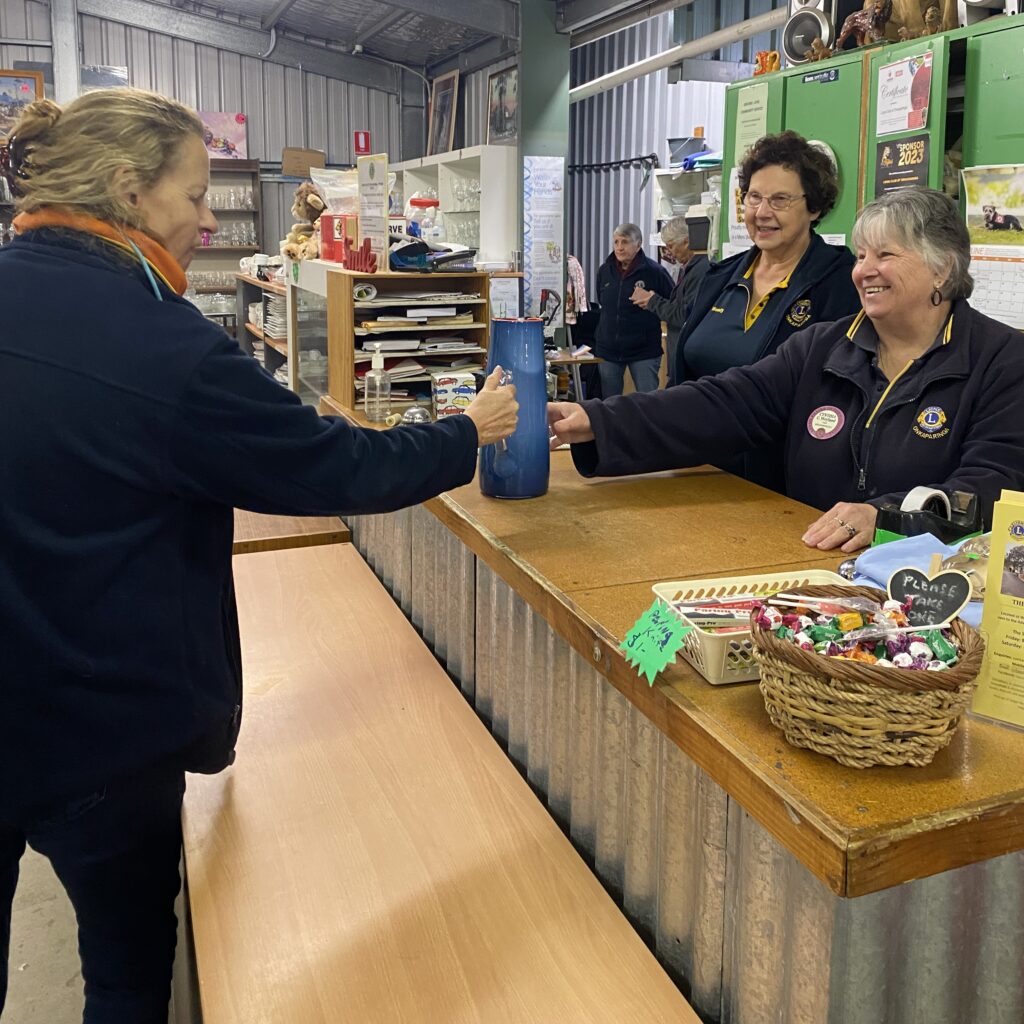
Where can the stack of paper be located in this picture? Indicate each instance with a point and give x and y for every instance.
(399, 369)
(392, 345)
(383, 323)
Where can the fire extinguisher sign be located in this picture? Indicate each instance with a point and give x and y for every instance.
(361, 143)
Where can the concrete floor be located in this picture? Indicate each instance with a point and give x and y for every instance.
(45, 983)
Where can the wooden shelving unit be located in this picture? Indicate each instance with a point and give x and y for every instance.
(343, 336)
(248, 290)
(223, 258)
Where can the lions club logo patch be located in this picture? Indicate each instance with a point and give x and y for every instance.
(826, 421)
(931, 423)
(799, 313)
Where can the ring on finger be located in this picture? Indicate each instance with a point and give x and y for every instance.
(849, 528)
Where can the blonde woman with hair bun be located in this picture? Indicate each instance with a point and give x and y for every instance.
(132, 426)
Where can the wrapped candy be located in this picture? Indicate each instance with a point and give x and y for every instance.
(864, 631)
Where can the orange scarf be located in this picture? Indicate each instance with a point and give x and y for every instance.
(162, 262)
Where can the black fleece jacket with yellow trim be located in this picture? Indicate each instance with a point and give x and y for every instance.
(954, 422)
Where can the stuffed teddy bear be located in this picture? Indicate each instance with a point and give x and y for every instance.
(303, 241)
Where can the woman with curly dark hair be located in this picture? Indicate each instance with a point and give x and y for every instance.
(749, 304)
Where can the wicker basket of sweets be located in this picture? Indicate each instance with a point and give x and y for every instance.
(863, 714)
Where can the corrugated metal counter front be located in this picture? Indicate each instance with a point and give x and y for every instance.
(775, 885)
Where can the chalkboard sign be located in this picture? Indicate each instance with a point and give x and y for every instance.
(933, 600)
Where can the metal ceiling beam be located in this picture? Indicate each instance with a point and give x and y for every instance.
(245, 41)
(66, 50)
(490, 51)
(628, 19)
(495, 17)
(572, 15)
(281, 8)
(381, 25)
(705, 44)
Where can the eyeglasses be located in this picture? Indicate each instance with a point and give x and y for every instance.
(779, 201)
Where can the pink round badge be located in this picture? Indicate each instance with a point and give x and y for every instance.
(826, 421)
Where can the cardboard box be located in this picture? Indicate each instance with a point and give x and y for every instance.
(334, 229)
(451, 391)
(297, 162)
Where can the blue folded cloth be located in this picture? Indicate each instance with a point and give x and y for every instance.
(876, 565)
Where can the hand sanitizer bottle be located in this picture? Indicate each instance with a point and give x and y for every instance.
(378, 389)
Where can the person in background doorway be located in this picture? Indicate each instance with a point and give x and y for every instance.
(132, 425)
(789, 279)
(628, 335)
(918, 388)
(675, 236)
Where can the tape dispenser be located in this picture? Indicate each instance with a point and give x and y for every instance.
(948, 517)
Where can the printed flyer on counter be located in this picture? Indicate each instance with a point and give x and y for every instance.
(373, 205)
(543, 238)
(995, 220)
(1000, 693)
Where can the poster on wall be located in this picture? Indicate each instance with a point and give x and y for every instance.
(502, 106)
(902, 163)
(224, 135)
(543, 238)
(751, 117)
(904, 93)
(17, 90)
(505, 303)
(995, 221)
(373, 205)
(739, 237)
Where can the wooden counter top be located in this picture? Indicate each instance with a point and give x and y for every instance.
(256, 532)
(585, 556)
(373, 856)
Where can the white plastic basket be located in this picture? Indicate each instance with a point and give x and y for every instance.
(729, 657)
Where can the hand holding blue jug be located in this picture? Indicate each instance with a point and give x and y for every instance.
(519, 466)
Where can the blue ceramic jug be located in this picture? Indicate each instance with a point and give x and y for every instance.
(518, 467)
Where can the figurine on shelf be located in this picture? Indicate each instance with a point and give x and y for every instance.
(818, 50)
(766, 61)
(867, 25)
(932, 25)
(303, 240)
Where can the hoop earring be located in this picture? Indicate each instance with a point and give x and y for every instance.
(936, 297)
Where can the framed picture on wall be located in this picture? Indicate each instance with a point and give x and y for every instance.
(224, 134)
(444, 95)
(17, 90)
(502, 106)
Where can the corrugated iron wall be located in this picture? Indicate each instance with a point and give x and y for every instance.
(633, 120)
(636, 119)
(285, 106)
(24, 19)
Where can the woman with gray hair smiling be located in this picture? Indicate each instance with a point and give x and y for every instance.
(917, 389)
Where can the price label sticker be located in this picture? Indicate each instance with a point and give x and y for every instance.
(654, 640)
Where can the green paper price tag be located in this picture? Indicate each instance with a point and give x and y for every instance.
(653, 641)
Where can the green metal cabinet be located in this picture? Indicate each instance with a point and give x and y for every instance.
(977, 92)
(994, 87)
(823, 102)
(935, 128)
(729, 156)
